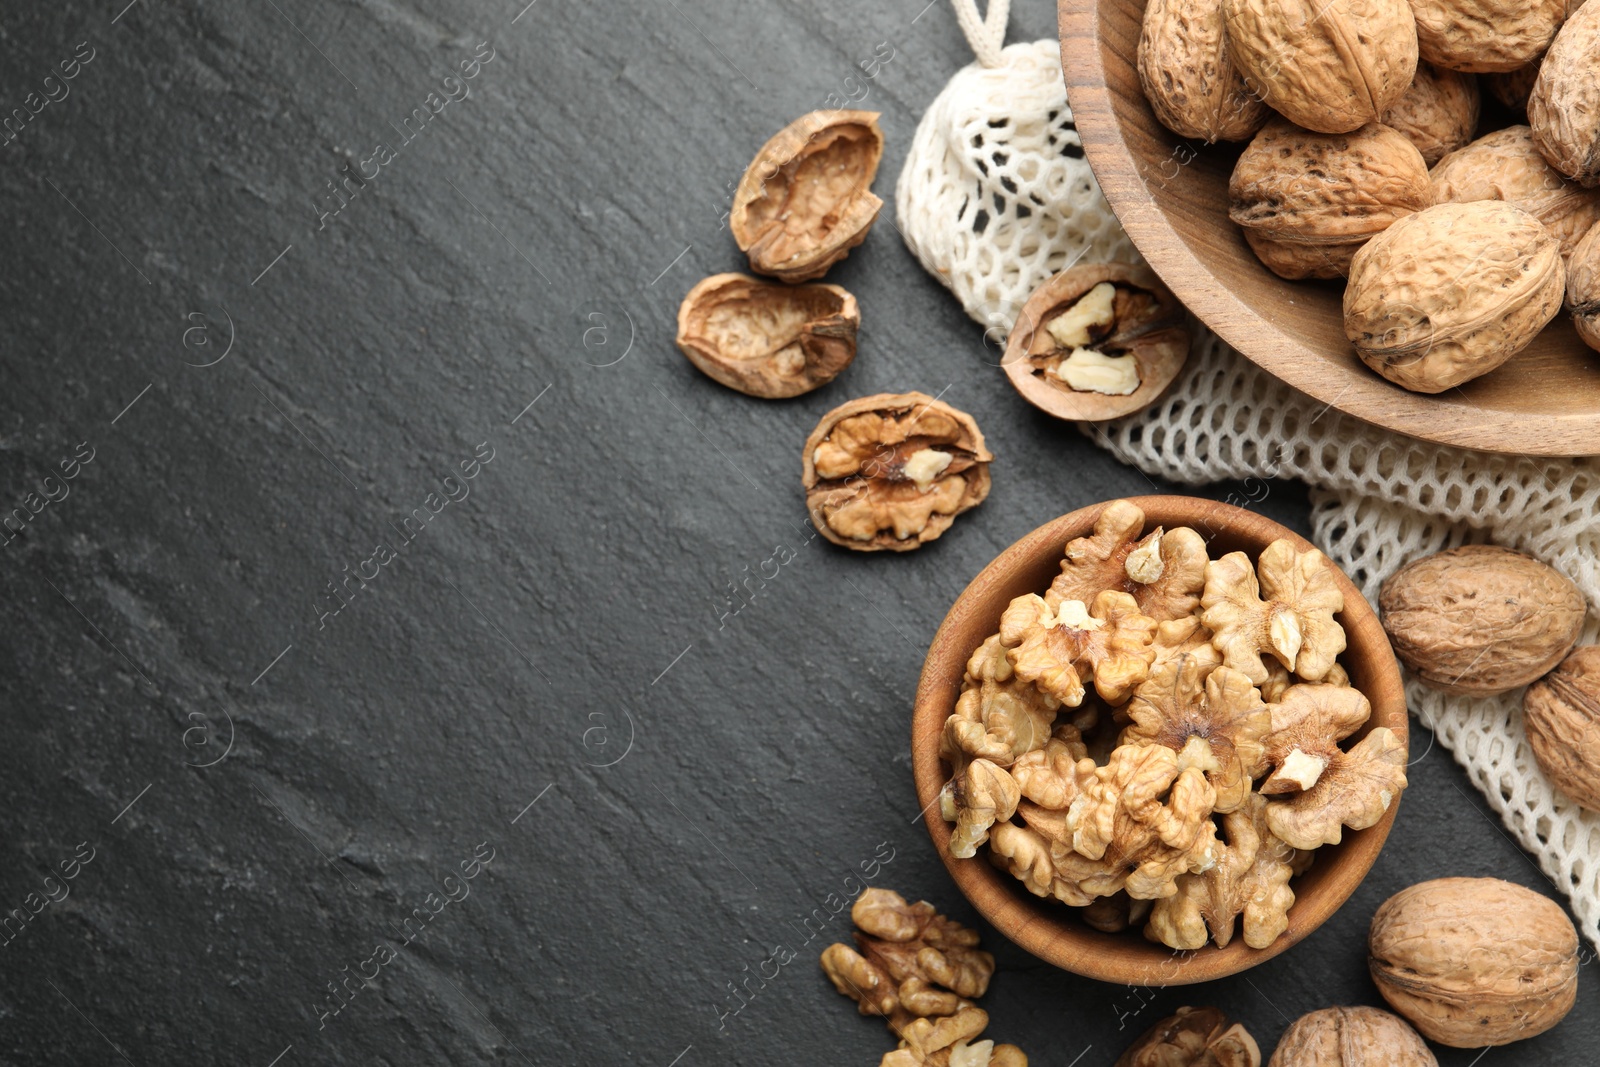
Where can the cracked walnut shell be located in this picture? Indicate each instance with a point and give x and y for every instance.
(892, 471)
(1163, 571)
(1475, 961)
(1194, 1037)
(768, 340)
(1561, 716)
(1486, 36)
(1189, 77)
(1451, 293)
(1295, 622)
(1480, 619)
(1351, 1037)
(806, 200)
(1365, 181)
(1438, 113)
(1564, 107)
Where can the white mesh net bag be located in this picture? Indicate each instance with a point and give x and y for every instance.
(999, 140)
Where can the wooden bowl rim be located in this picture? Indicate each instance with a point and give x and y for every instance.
(1049, 929)
(1448, 418)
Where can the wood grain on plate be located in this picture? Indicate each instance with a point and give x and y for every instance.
(1171, 196)
(1053, 931)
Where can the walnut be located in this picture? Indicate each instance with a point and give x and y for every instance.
(1351, 1037)
(1116, 913)
(1051, 776)
(1251, 878)
(1486, 35)
(1295, 622)
(1438, 113)
(1189, 77)
(1183, 700)
(1480, 619)
(1450, 293)
(1513, 87)
(975, 800)
(1475, 961)
(1186, 639)
(997, 716)
(949, 1042)
(1328, 65)
(1564, 107)
(1060, 649)
(1366, 180)
(1097, 341)
(892, 471)
(1583, 288)
(1194, 1037)
(1506, 165)
(1165, 588)
(1347, 788)
(1561, 713)
(768, 340)
(1307, 724)
(1047, 866)
(806, 199)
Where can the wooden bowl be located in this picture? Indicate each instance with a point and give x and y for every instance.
(1051, 930)
(1171, 196)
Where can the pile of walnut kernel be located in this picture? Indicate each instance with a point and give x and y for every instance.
(1156, 739)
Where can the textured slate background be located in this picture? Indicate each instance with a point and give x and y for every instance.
(267, 790)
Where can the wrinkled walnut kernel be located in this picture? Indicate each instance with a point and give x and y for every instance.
(768, 340)
(1062, 648)
(1295, 623)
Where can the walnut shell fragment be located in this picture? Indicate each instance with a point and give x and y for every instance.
(1486, 36)
(892, 471)
(1329, 65)
(806, 199)
(1190, 78)
(1583, 288)
(1561, 714)
(768, 340)
(1097, 341)
(1451, 293)
(1194, 1037)
(1438, 113)
(1564, 107)
(1480, 619)
(1351, 1037)
(1475, 961)
(1366, 181)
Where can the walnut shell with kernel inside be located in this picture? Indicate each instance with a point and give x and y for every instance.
(766, 339)
(1486, 36)
(1564, 107)
(1189, 76)
(1351, 1037)
(1561, 716)
(1583, 288)
(1439, 112)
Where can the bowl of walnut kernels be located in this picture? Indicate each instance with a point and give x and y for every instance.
(1159, 740)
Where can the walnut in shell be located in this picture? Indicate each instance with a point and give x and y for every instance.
(768, 340)
(1564, 107)
(1302, 228)
(1561, 714)
(1451, 293)
(1097, 341)
(806, 199)
(1438, 113)
(1189, 77)
(1583, 288)
(1475, 961)
(1294, 623)
(892, 471)
(1351, 1037)
(1250, 879)
(1513, 87)
(1194, 1037)
(1059, 649)
(1506, 165)
(1480, 619)
(1328, 65)
(1486, 35)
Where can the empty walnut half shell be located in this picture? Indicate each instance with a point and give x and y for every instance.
(1096, 342)
(806, 199)
(768, 340)
(892, 471)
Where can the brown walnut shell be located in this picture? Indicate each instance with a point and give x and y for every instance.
(1583, 288)
(1486, 35)
(1564, 107)
(871, 483)
(1194, 1037)
(1328, 65)
(1561, 715)
(1474, 961)
(765, 339)
(1480, 619)
(1439, 112)
(1351, 1037)
(806, 199)
(1451, 293)
(1190, 80)
(1307, 201)
(1149, 326)
(1513, 87)
(1507, 165)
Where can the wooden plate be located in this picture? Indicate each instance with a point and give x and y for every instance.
(1053, 931)
(1171, 196)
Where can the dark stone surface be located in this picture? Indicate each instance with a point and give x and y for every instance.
(268, 792)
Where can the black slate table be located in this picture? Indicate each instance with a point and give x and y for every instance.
(373, 671)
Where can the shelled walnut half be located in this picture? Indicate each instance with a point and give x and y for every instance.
(806, 199)
(1096, 342)
(892, 471)
(768, 340)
